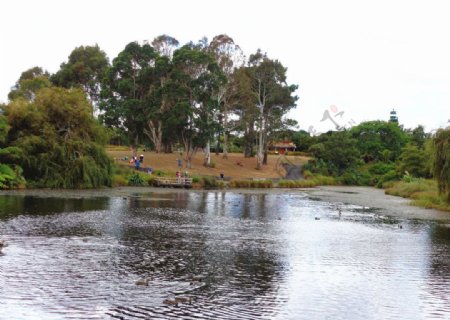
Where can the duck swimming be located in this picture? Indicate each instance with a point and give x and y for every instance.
(142, 282)
(170, 302)
(183, 300)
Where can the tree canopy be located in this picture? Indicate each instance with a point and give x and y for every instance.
(58, 140)
(441, 165)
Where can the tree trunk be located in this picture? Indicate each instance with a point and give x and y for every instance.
(168, 147)
(154, 133)
(265, 152)
(259, 155)
(225, 131)
(207, 159)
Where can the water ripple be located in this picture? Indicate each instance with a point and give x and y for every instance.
(222, 256)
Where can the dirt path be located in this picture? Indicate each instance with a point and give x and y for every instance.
(375, 198)
(293, 172)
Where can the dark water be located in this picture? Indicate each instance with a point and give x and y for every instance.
(226, 255)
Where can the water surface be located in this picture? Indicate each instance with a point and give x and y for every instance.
(233, 255)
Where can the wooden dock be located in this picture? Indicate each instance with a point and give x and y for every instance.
(173, 182)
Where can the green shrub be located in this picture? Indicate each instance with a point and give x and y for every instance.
(135, 179)
(10, 178)
(209, 182)
(60, 141)
(381, 168)
(356, 178)
(388, 178)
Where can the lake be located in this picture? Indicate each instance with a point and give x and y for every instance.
(282, 254)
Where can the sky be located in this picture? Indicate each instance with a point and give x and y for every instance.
(352, 60)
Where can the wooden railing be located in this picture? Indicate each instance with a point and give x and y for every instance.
(173, 182)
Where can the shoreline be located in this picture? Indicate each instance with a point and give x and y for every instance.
(376, 198)
(362, 196)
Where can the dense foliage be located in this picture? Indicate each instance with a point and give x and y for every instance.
(370, 153)
(165, 95)
(441, 163)
(56, 141)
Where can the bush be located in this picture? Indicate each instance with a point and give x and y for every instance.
(388, 178)
(10, 178)
(413, 160)
(60, 141)
(209, 182)
(307, 174)
(356, 178)
(381, 168)
(135, 179)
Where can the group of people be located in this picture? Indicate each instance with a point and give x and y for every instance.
(137, 161)
(181, 175)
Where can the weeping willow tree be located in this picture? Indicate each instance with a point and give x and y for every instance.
(441, 165)
(60, 143)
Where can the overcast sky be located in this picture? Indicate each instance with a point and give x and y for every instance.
(360, 57)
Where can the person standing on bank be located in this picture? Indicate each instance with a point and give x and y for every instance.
(137, 164)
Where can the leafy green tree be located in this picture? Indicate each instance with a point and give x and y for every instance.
(165, 45)
(244, 106)
(59, 140)
(441, 163)
(338, 150)
(373, 137)
(303, 140)
(29, 83)
(10, 177)
(229, 57)
(197, 76)
(161, 96)
(4, 128)
(414, 161)
(84, 69)
(273, 95)
(418, 136)
(126, 88)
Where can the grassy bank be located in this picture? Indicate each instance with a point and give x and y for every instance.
(422, 192)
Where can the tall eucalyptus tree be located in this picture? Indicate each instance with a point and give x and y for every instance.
(229, 57)
(274, 97)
